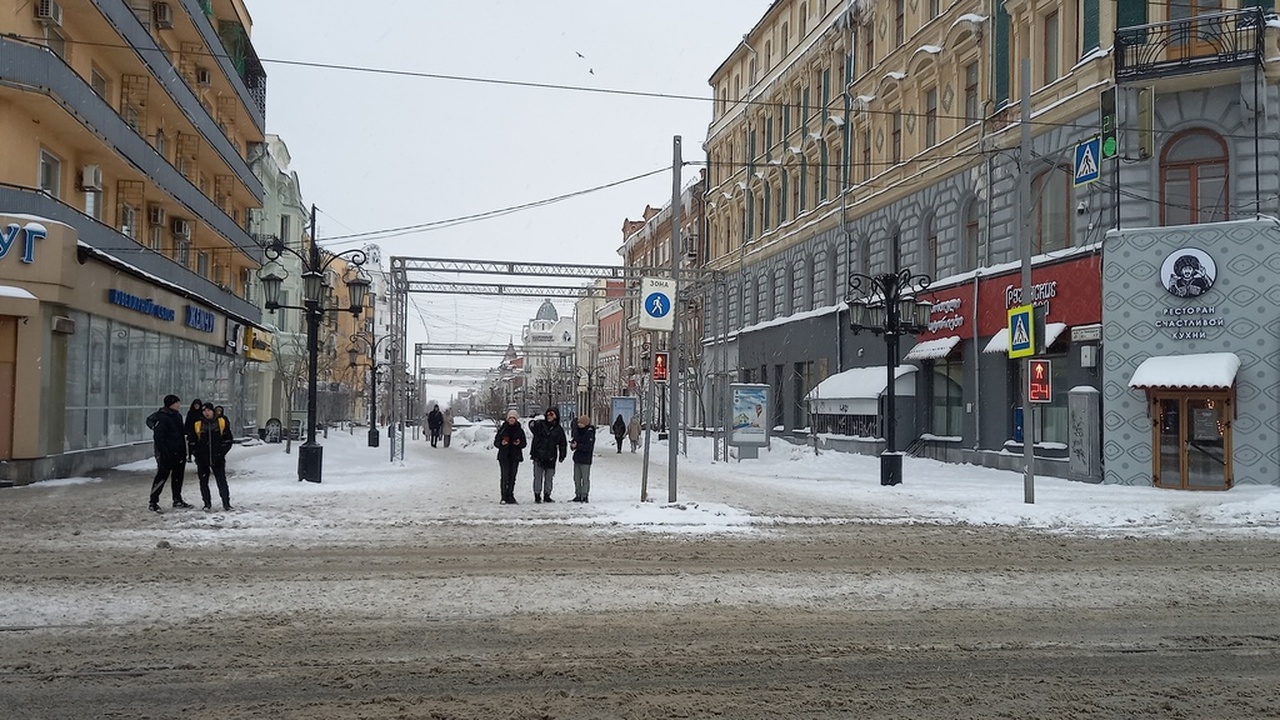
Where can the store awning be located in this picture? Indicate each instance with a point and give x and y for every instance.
(1204, 370)
(18, 302)
(934, 349)
(865, 383)
(1000, 341)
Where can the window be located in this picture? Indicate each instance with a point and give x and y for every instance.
(971, 93)
(50, 174)
(1052, 48)
(1053, 223)
(162, 144)
(157, 238)
(948, 402)
(800, 293)
(202, 264)
(786, 39)
(929, 246)
(969, 244)
(897, 136)
(869, 47)
(935, 8)
(182, 253)
(98, 82)
(804, 19)
(1193, 179)
(931, 117)
(55, 41)
(93, 204)
(1089, 26)
(762, 299)
(866, 155)
(285, 229)
(900, 23)
(768, 55)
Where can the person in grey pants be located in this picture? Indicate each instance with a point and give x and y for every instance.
(547, 447)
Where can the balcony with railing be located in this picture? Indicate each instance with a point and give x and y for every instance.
(1203, 42)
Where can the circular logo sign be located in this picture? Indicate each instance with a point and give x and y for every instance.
(657, 305)
(1188, 272)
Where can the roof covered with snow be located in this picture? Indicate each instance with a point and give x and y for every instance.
(857, 383)
(1204, 370)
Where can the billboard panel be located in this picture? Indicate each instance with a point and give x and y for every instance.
(750, 414)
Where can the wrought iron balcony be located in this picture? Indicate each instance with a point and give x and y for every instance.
(1195, 44)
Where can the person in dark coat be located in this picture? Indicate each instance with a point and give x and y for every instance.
(213, 441)
(547, 448)
(194, 413)
(510, 443)
(170, 442)
(584, 445)
(435, 422)
(619, 429)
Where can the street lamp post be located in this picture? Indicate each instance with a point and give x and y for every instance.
(311, 453)
(353, 354)
(888, 304)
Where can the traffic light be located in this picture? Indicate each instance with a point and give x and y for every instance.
(660, 367)
(1040, 381)
(1107, 123)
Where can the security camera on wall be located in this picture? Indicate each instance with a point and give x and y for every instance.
(1082, 208)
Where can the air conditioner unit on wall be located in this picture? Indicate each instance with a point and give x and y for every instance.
(162, 15)
(155, 214)
(48, 12)
(91, 178)
(181, 228)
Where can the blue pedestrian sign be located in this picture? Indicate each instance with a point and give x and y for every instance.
(1086, 165)
(1022, 331)
(656, 308)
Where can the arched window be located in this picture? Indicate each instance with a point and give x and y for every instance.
(1193, 179)
(929, 246)
(1053, 221)
(864, 253)
(969, 241)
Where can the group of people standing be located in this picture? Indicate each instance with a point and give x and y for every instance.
(548, 447)
(440, 424)
(203, 436)
(622, 429)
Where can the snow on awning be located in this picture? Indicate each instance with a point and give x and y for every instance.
(865, 383)
(1000, 341)
(934, 349)
(1203, 370)
(18, 302)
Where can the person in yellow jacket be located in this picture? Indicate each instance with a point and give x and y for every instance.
(213, 439)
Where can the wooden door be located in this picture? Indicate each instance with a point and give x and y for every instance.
(1191, 441)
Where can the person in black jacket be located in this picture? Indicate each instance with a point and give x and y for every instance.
(170, 443)
(619, 429)
(547, 448)
(213, 440)
(510, 443)
(584, 445)
(435, 422)
(193, 414)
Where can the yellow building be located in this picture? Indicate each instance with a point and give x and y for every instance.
(882, 136)
(126, 128)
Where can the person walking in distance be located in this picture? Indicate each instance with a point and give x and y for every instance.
(446, 427)
(633, 431)
(584, 446)
(546, 449)
(435, 422)
(213, 440)
(170, 442)
(193, 414)
(619, 430)
(510, 443)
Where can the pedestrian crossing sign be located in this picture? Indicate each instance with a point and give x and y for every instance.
(1086, 165)
(1022, 331)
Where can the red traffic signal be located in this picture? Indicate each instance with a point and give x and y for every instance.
(1040, 381)
(660, 366)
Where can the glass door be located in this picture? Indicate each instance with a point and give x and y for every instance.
(1194, 36)
(1192, 442)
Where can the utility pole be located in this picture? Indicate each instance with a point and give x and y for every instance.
(1024, 225)
(673, 360)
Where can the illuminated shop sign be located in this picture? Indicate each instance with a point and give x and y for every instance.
(146, 306)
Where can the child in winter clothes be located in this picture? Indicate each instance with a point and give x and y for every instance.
(583, 444)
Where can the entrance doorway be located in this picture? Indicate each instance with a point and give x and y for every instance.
(1191, 439)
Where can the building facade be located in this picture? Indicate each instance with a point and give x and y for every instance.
(882, 136)
(127, 127)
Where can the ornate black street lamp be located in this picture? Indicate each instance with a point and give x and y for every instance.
(353, 354)
(311, 453)
(888, 304)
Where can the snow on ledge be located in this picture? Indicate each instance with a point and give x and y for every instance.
(1203, 370)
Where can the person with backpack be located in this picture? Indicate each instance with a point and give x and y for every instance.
(584, 446)
(170, 443)
(213, 441)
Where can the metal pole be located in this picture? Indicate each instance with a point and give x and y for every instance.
(1024, 206)
(890, 461)
(311, 453)
(673, 360)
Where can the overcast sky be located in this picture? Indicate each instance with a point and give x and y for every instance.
(376, 151)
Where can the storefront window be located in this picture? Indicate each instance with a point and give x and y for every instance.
(948, 405)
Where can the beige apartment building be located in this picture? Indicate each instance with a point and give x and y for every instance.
(882, 136)
(127, 128)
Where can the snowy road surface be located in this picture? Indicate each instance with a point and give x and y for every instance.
(794, 586)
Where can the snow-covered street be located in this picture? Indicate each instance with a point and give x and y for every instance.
(406, 590)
